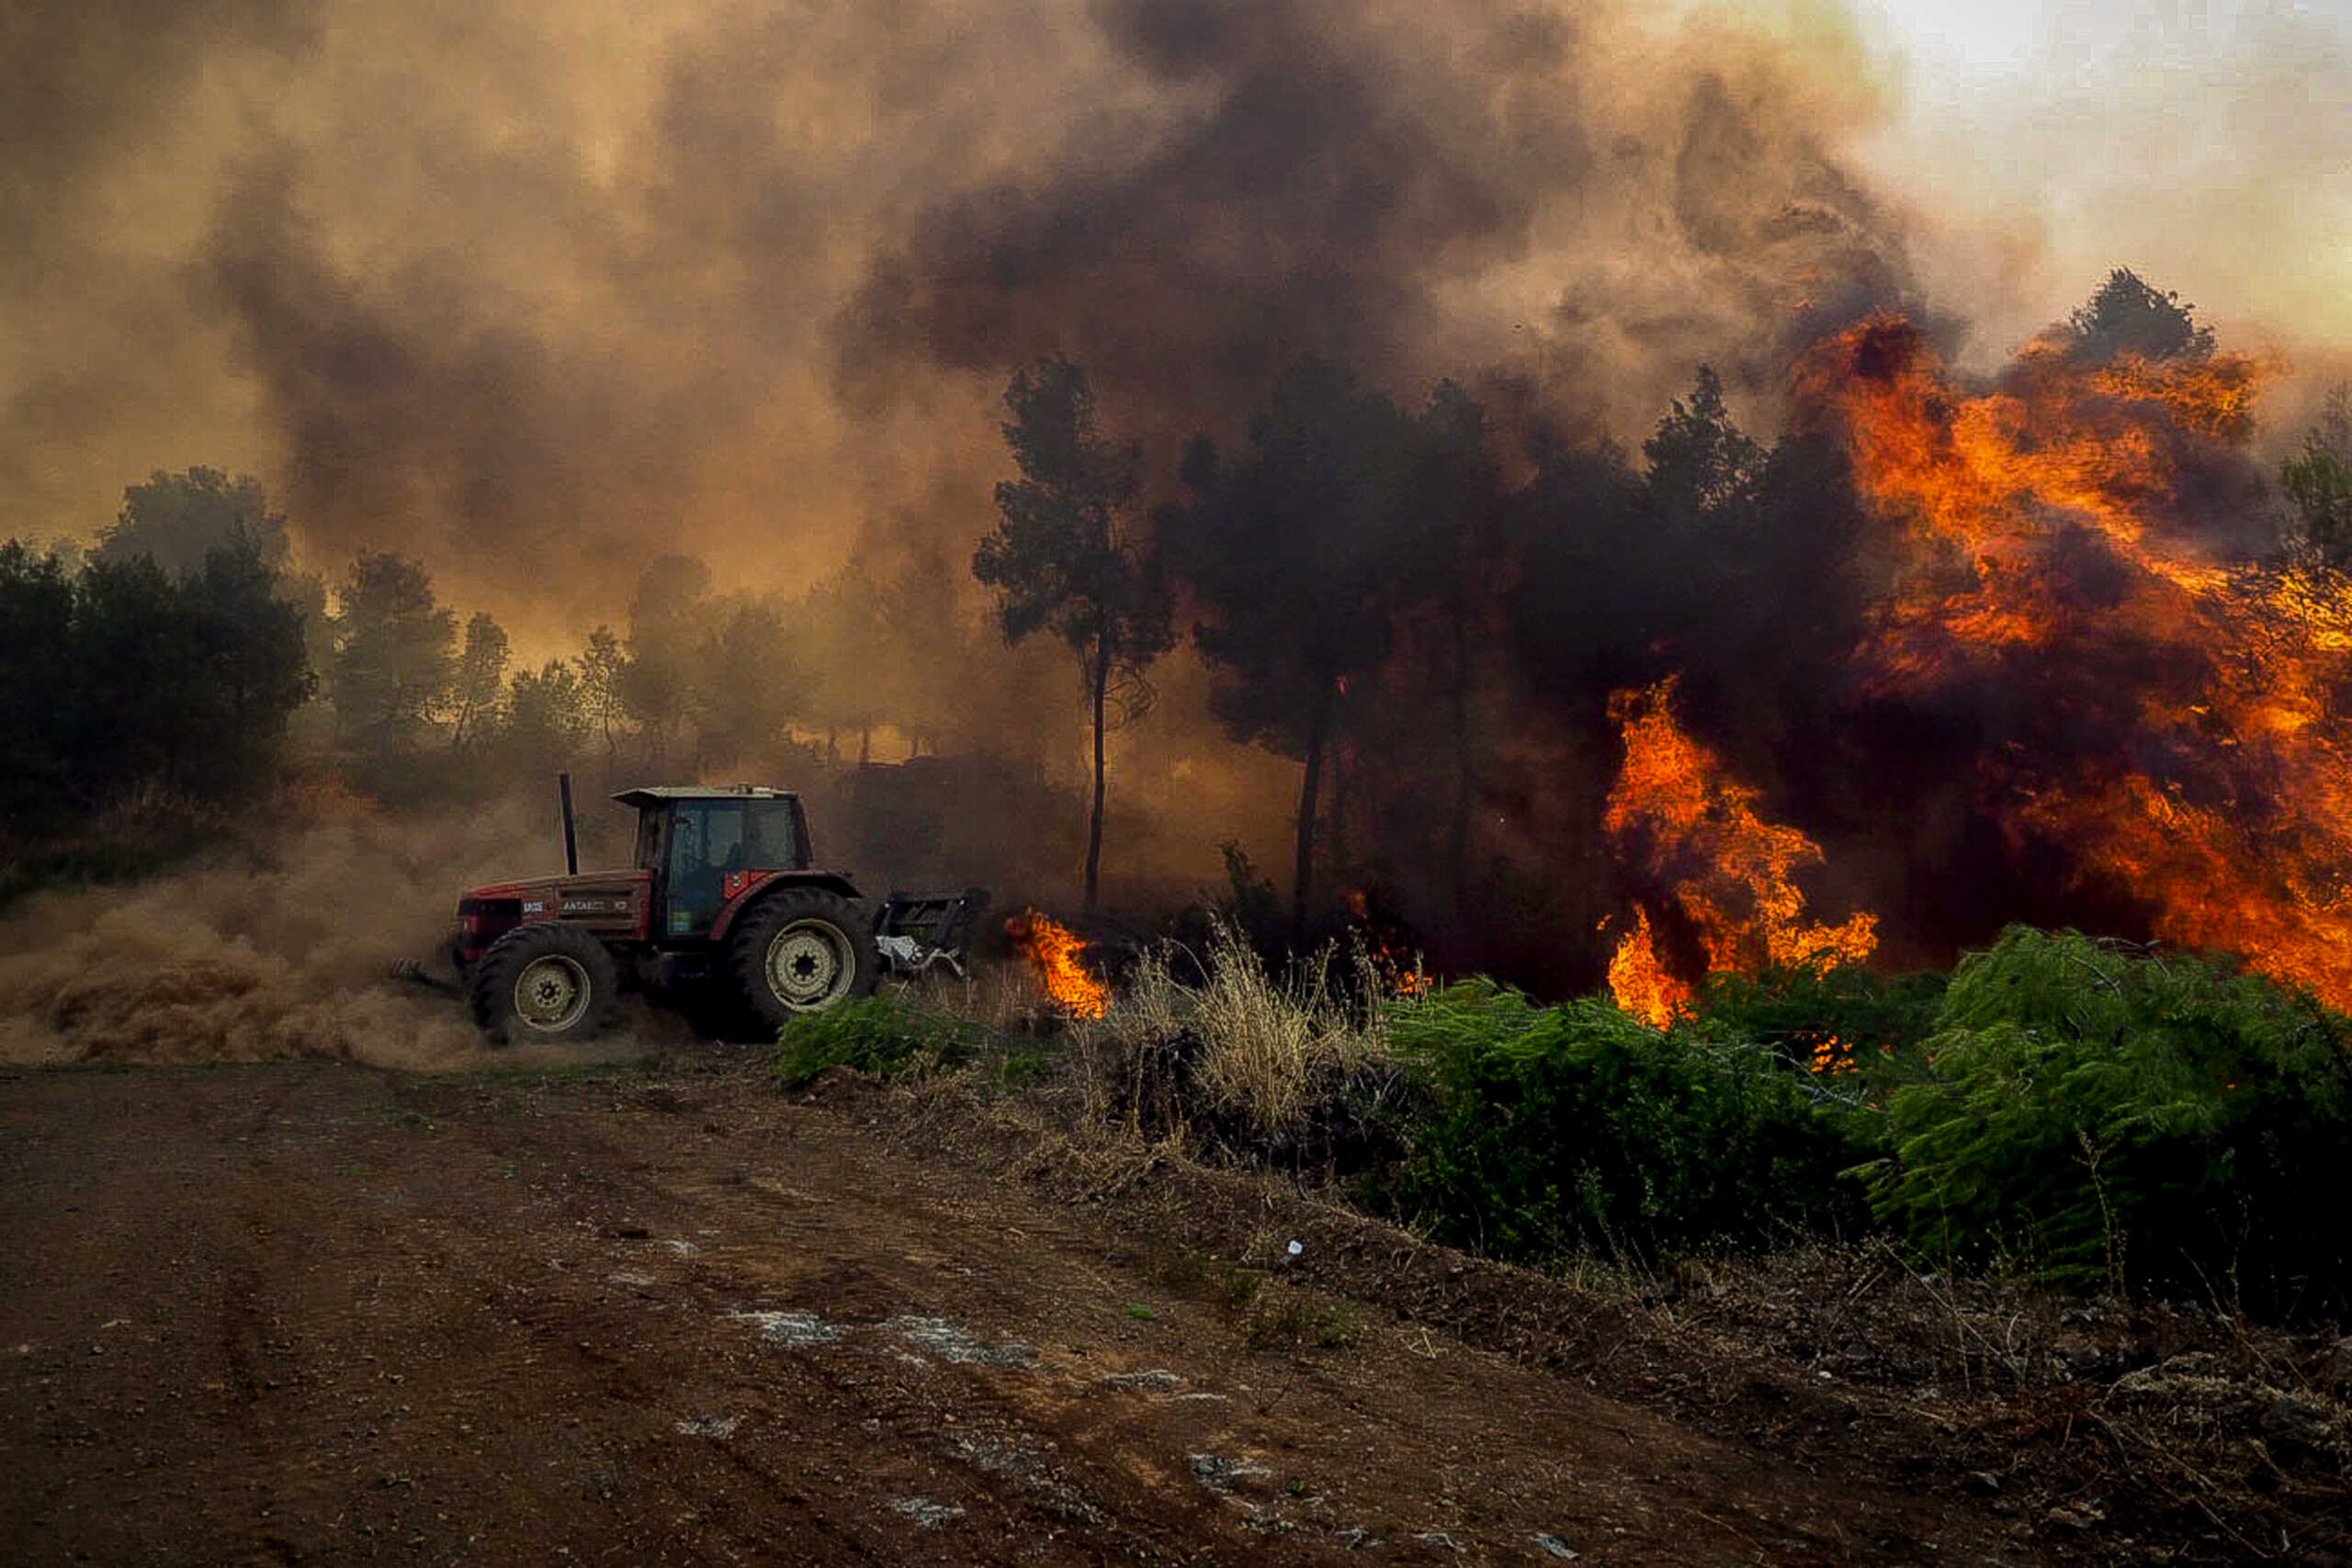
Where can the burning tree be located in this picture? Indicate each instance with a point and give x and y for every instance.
(1059, 561)
(2157, 705)
(2082, 687)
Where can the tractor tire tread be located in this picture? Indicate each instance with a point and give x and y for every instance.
(747, 950)
(490, 983)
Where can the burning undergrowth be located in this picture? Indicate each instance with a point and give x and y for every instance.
(2057, 1110)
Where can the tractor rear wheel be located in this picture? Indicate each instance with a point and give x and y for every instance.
(544, 981)
(802, 951)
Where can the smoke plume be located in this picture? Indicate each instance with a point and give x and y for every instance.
(743, 281)
(540, 297)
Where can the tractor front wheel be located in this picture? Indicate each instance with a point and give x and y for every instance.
(802, 951)
(544, 981)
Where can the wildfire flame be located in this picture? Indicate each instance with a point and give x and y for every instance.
(1055, 954)
(2045, 518)
(1395, 961)
(1679, 818)
(1829, 1054)
(1640, 980)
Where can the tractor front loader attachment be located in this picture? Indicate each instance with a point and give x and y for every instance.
(916, 931)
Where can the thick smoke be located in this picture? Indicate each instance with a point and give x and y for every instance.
(539, 297)
(540, 304)
(1470, 194)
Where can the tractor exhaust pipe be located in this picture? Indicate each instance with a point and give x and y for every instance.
(570, 842)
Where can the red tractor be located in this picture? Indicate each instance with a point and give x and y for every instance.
(725, 893)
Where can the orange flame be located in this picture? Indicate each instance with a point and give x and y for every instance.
(1404, 975)
(1055, 956)
(1695, 833)
(1830, 1054)
(1640, 980)
(2224, 802)
(1398, 965)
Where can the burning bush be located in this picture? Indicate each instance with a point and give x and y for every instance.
(1826, 1019)
(2085, 1114)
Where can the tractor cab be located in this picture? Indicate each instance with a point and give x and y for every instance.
(705, 846)
(724, 894)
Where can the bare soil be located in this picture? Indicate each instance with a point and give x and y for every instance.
(323, 1312)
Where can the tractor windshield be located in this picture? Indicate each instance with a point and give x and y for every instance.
(710, 839)
(748, 835)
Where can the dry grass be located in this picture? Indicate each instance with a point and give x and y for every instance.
(1262, 1049)
(1001, 997)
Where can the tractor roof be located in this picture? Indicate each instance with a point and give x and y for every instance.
(652, 795)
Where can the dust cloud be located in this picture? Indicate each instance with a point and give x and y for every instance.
(282, 950)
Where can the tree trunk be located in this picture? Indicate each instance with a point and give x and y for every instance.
(1458, 844)
(1318, 722)
(1338, 862)
(1101, 684)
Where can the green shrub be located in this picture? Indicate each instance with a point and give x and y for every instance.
(884, 1035)
(2119, 1118)
(1552, 1130)
(1845, 1016)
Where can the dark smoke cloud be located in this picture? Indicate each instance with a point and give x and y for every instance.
(1403, 197)
(99, 351)
(414, 398)
(540, 303)
(85, 81)
(1308, 198)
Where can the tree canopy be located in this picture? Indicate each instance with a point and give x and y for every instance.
(2129, 317)
(395, 655)
(178, 519)
(1291, 549)
(1061, 560)
(2318, 481)
(124, 678)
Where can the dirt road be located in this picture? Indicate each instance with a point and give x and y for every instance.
(323, 1313)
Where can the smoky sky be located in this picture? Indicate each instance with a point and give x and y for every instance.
(537, 293)
(1309, 204)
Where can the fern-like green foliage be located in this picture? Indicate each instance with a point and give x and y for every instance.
(1576, 1128)
(1833, 1018)
(883, 1034)
(2116, 1117)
